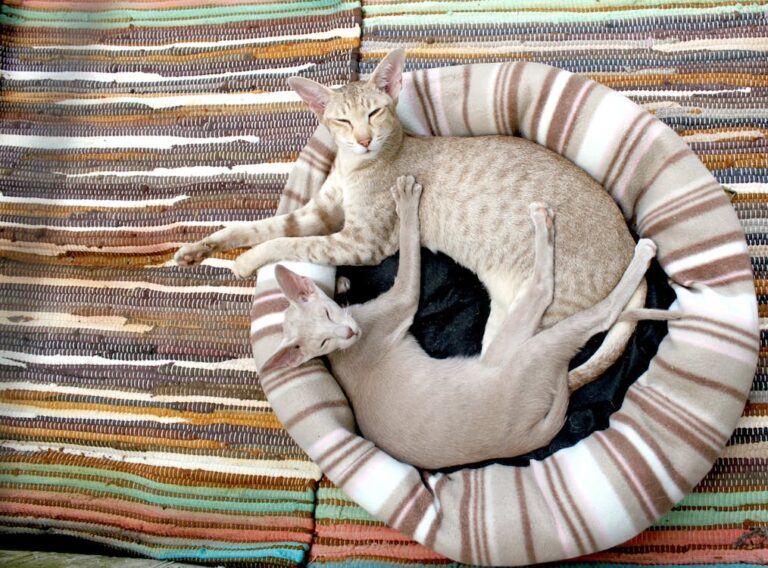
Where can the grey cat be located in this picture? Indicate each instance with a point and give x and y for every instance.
(436, 413)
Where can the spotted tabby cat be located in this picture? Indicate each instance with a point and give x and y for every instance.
(474, 208)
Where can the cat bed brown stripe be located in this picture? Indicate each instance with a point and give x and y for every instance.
(675, 418)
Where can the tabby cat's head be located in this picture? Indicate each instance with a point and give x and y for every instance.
(361, 115)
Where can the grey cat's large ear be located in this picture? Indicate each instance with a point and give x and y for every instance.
(388, 75)
(313, 93)
(287, 356)
(297, 288)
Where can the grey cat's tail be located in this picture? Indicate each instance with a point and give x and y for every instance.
(649, 314)
(613, 345)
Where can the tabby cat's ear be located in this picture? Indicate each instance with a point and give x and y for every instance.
(313, 93)
(297, 288)
(388, 75)
(287, 356)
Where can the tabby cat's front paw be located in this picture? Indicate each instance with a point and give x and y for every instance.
(243, 267)
(194, 253)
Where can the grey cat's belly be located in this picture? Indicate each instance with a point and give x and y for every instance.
(400, 405)
(475, 209)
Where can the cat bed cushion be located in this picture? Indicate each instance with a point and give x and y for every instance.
(674, 419)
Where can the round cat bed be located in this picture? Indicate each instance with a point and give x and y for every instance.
(675, 418)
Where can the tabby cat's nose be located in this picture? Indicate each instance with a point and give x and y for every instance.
(365, 142)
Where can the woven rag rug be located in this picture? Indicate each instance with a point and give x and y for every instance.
(131, 413)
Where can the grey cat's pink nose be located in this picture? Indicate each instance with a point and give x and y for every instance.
(345, 332)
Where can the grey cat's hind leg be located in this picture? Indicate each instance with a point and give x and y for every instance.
(495, 319)
(394, 310)
(524, 315)
(566, 337)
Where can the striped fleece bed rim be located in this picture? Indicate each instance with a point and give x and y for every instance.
(676, 417)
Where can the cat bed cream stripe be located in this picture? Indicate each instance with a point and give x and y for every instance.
(675, 418)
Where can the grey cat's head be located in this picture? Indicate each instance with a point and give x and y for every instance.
(314, 324)
(361, 115)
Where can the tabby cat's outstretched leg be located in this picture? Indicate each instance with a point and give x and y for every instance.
(320, 216)
(345, 247)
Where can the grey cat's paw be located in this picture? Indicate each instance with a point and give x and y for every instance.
(406, 189)
(646, 249)
(538, 208)
(194, 253)
(543, 217)
(343, 285)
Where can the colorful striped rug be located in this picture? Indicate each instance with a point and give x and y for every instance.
(130, 412)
